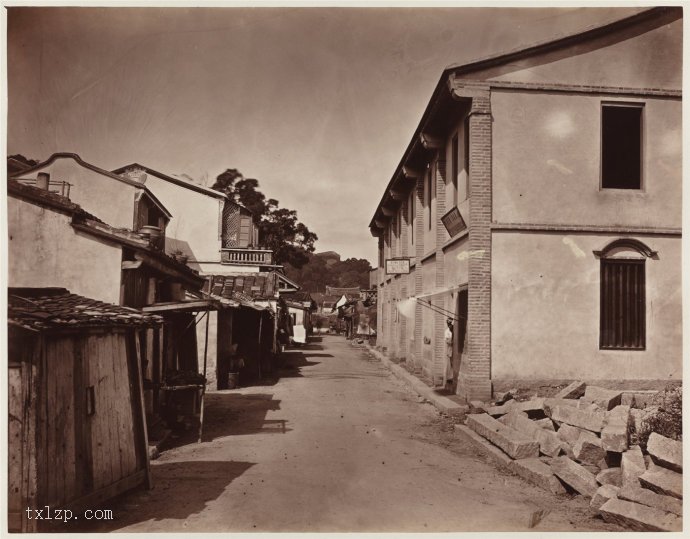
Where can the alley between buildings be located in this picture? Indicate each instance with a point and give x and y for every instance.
(334, 443)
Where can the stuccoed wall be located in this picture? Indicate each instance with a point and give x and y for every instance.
(45, 251)
(545, 310)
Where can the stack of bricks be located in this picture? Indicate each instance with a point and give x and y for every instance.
(579, 440)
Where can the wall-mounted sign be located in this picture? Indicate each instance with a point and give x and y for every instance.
(453, 222)
(395, 266)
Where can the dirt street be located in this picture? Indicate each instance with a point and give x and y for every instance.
(335, 444)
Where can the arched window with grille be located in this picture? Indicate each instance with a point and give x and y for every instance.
(622, 315)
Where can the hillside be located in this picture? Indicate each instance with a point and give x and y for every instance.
(327, 269)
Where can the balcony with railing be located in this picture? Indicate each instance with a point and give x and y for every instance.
(59, 187)
(246, 256)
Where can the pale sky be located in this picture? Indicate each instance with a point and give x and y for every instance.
(318, 104)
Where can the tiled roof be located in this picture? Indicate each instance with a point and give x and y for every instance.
(57, 308)
(244, 286)
(301, 296)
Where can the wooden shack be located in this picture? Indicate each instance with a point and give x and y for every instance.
(77, 431)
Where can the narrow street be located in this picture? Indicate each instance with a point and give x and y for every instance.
(335, 444)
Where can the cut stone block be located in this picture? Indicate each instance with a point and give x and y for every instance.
(532, 405)
(538, 473)
(545, 424)
(551, 403)
(637, 517)
(639, 398)
(572, 391)
(514, 443)
(652, 499)
(588, 448)
(502, 398)
(478, 405)
(549, 444)
(603, 494)
(574, 475)
(589, 406)
(663, 481)
(591, 468)
(497, 411)
(589, 420)
(665, 452)
(632, 466)
(610, 476)
(605, 398)
(614, 434)
(492, 453)
(569, 434)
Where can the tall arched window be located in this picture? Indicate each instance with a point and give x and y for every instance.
(622, 314)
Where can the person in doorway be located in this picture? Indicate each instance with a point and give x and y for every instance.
(449, 352)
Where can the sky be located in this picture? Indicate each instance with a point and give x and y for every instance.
(318, 104)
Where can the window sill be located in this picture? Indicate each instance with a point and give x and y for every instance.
(622, 349)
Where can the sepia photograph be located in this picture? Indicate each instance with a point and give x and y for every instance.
(340, 267)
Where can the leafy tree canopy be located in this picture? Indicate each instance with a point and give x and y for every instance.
(326, 269)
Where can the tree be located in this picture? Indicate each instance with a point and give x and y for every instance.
(279, 228)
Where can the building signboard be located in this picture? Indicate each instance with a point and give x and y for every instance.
(453, 222)
(395, 266)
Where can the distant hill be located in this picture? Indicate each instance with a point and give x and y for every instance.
(328, 269)
(331, 257)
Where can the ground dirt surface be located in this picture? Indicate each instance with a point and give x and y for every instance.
(334, 443)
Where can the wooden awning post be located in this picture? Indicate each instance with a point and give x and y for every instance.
(261, 319)
(203, 390)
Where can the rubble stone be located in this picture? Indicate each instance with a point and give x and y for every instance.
(663, 481)
(603, 494)
(573, 391)
(605, 398)
(588, 448)
(549, 444)
(632, 466)
(574, 475)
(610, 476)
(652, 499)
(538, 473)
(514, 443)
(665, 452)
(637, 517)
(589, 420)
(614, 434)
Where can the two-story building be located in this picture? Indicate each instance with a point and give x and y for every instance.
(220, 239)
(56, 242)
(537, 207)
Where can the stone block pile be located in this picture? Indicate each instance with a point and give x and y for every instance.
(579, 442)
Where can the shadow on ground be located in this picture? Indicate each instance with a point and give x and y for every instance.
(187, 488)
(227, 413)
